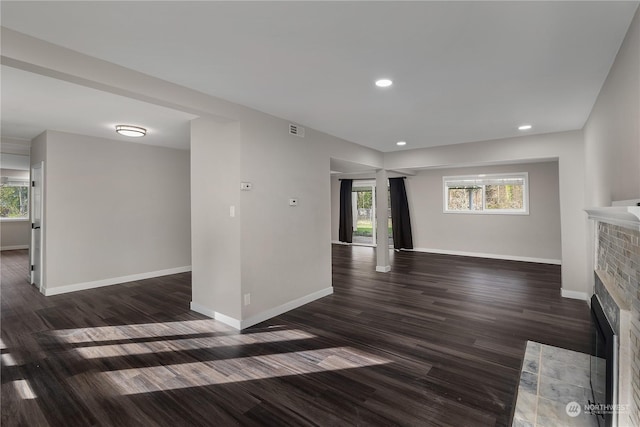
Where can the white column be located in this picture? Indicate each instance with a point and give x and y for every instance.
(382, 206)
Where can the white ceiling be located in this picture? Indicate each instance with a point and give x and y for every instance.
(463, 71)
(32, 103)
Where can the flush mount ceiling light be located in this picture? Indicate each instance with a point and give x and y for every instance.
(132, 131)
(401, 143)
(524, 127)
(384, 83)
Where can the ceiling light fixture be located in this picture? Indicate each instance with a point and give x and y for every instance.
(401, 143)
(384, 83)
(132, 131)
(524, 127)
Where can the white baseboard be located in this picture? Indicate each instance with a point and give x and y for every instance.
(202, 310)
(490, 256)
(114, 281)
(574, 295)
(383, 268)
(227, 320)
(288, 306)
(265, 315)
(13, 248)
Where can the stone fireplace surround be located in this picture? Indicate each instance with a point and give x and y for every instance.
(617, 284)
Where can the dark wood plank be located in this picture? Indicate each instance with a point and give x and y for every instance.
(438, 341)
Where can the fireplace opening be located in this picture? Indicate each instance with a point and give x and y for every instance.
(604, 367)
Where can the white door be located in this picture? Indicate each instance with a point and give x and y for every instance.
(35, 248)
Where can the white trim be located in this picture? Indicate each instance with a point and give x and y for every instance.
(574, 295)
(383, 268)
(491, 256)
(265, 315)
(202, 310)
(14, 248)
(114, 281)
(227, 320)
(487, 177)
(22, 219)
(367, 245)
(288, 306)
(630, 202)
(625, 216)
(338, 242)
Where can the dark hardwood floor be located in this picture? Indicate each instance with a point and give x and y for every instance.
(436, 342)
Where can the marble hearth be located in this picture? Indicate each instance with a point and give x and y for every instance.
(550, 379)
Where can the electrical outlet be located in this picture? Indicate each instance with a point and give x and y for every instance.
(232, 211)
(247, 299)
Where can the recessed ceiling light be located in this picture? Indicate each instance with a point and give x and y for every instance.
(132, 131)
(524, 127)
(401, 143)
(384, 83)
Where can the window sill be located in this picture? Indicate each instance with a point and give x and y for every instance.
(486, 212)
(14, 220)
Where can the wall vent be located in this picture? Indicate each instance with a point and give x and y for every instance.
(296, 130)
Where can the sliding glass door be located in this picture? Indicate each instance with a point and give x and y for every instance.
(363, 197)
(363, 208)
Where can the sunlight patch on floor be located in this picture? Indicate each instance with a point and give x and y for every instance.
(24, 389)
(8, 360)
(144, 330)
(127, 349)
(171, 377)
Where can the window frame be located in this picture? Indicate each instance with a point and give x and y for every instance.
(28, 215)
(487, 177)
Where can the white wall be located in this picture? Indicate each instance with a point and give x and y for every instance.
(285, 252)
(612, 132)
(534, 236)
(15, 234)
(113, 210)
(567, 147)
(15, 146)
(215, 235)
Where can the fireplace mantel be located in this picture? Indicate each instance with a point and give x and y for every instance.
(625, 216)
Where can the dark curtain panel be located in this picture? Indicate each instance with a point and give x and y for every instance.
(345, 232)
(400, 220)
